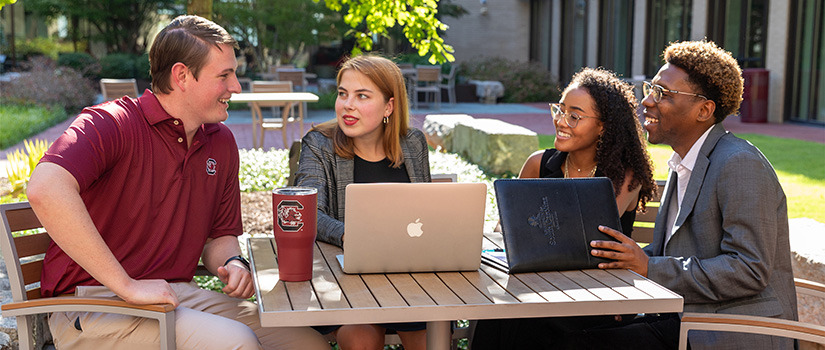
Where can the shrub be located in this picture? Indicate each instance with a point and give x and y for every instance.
(118, 66)
(142, 66)
(325, 101)
(523, 82)
(47, 84)
(263, 170)
(81, 62)
(21, 164)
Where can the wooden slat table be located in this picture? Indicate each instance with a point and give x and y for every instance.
(289, 98)
(333, 297)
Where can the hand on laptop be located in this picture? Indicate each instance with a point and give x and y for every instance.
(626, 252)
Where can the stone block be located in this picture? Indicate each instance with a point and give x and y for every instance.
(439, 129)
(808, 260)
(494, 145)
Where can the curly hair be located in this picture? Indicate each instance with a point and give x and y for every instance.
(621, 145)
(711, 69)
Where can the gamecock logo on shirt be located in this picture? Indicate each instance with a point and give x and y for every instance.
(211, 166)
(290, 218)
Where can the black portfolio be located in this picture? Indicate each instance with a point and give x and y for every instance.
(548, 223)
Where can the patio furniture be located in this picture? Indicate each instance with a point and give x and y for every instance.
(113, 89)
(427, 80)
(256, 99)
(279, 108)
(450, 85)
(757, 324)
(23, 256)
(333, 297)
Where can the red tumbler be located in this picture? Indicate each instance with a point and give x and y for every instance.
(295, 211)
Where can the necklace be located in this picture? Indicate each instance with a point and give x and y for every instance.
(567, 171)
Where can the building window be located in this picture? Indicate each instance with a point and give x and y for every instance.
(806, 62)
(616, 35)
(574, 38)
(667, 21)
(739, 26)
(540, 20)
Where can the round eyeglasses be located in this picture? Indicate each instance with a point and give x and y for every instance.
(570, 118)
(649, 88)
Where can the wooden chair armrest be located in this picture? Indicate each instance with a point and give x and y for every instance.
(71, 302)
(809, 287)
(749, 324)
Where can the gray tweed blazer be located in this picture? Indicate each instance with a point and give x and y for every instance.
(321, 168)
(730, 252)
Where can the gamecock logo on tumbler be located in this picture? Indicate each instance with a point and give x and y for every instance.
(290, 218)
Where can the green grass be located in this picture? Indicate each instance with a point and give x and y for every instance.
(22, 121)
(799, 165)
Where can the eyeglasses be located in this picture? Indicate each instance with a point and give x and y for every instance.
(657, 90)
(572, 119)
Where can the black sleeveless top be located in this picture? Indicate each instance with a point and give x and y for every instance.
(381, 171)
(551, 162)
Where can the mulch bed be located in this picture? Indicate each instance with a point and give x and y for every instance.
(256, 212)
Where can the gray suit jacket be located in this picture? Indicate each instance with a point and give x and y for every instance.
(321, 168)
(730, 252)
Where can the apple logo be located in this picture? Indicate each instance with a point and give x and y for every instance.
(414, 228)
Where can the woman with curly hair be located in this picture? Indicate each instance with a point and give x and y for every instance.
(598, 134)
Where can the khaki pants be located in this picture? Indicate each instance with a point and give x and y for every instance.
(203, 320)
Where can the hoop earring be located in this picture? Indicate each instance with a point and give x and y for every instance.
(386, 119)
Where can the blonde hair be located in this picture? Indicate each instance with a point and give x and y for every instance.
(390, 82)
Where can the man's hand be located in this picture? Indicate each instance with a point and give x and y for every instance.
(626, 253)
(144, 292)
(238, 280)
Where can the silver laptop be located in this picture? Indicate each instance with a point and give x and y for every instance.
(413, 227)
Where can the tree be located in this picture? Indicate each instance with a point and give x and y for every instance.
(417, 18)
(6, 2)
(279, 28)
(122, 25)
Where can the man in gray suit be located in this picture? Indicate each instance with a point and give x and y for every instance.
(721, 235)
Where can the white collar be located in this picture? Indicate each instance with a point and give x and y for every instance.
(690, 158)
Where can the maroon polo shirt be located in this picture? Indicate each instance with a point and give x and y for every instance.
(154, 200)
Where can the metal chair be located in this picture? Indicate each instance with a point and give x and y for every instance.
(757, 324)
(450, 85)
(23, 256)
(428, 81)
(113, 89)
(261, 124)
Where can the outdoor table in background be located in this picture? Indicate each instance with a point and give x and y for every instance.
(289, 98)
(333, 297)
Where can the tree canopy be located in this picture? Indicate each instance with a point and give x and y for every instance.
(6, 2)
(369, 18)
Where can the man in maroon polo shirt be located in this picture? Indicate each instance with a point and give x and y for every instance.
(137, 190)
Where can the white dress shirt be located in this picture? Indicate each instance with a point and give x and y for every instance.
(683, 168)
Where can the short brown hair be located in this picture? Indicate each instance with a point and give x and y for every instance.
(711, 69)
(390, 82)
(186, 40)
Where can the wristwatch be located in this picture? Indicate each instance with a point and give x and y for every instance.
(241, 259)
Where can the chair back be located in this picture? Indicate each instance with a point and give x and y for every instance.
(451, 76)
(428, 74)
(643, 226)
(113, 89)
(271, 86)
(294, 75)
(23, 254)
(405, 65)
(274, 69)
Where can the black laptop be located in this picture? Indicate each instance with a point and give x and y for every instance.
(548, 223)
